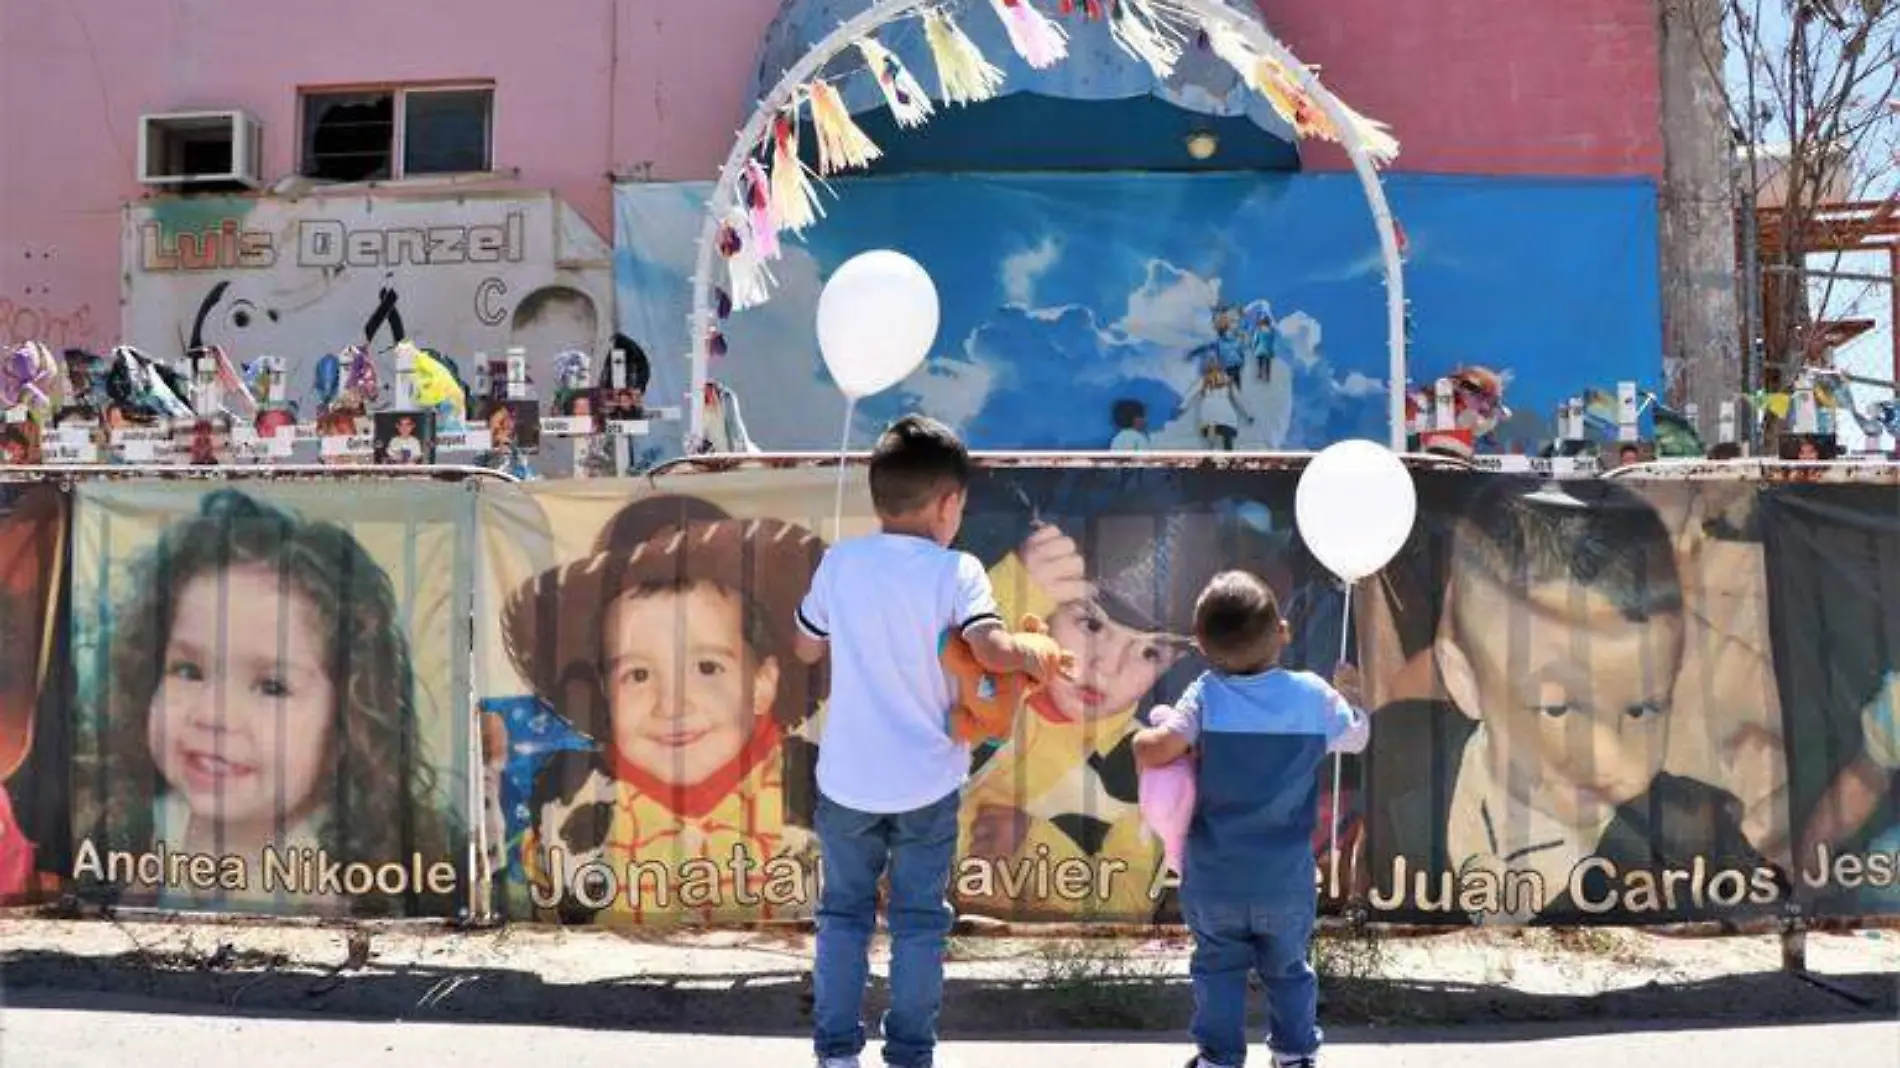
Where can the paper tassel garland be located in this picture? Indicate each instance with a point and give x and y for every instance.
(1041, 41)
(1283, 91)
(750, 279)
(963, 75)
(758, 200)
(794, 202)
(1144, 33)
(841, 145)
(909, 104)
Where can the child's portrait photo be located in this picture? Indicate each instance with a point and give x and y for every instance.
(1831, 553)
(20, 443)
(405, 438)
(512, 424)
(1528, 712)
(1113, 561)
(671, 646)
(256, 698)
(201, 442)
(32, 791)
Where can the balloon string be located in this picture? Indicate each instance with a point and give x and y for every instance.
(844, 445)
(1339, 759)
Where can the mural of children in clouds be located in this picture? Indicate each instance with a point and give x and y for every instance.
(1215, 401)
(671, 646)
(1131, 427)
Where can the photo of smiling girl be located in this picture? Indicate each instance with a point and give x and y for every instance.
(256, 697)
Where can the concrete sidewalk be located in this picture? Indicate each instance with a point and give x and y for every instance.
(80, 1031)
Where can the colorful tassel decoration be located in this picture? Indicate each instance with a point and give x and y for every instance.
(909, 104)
(1310, 120)
(963, 75)
(1144, 33)
(758, 200)
(841, 145)
(794, 202)
(750, 279)
(1231, 47)
(1376, 137)
(1040, 40)
(1283, 91)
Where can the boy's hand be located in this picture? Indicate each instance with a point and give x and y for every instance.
(1347, 681)
(1043, 659)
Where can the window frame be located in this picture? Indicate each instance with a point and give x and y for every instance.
(399, 93)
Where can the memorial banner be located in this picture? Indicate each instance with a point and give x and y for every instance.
(272, 689)
(1576, 715)
(656, 740)
(1594, 700)
(33, 735)
(1834, 576)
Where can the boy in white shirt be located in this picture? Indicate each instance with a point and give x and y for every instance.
(890, 775)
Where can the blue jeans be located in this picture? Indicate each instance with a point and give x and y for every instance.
(1232, 938)
(854, 850)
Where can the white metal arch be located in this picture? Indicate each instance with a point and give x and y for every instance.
(1248, 25)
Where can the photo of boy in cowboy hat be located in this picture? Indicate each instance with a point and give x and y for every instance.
(671, 647)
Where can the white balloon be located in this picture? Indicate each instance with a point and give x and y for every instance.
(1355, 507)
(877, 319)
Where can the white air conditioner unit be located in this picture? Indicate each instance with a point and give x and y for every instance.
(200, 147)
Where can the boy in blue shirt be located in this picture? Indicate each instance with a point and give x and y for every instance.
(890, 773)
(1249, 893)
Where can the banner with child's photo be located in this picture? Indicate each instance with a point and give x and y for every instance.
(1833, 570)
(272, 697)
(646, 726)
(33, 733)
(1577, 716)
(653, 739)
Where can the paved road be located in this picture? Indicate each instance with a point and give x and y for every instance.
(78, 1031)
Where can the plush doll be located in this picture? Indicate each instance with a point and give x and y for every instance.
(1167, 801)
(987, 702)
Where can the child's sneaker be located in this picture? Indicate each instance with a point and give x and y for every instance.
(838, 1062)
(1293, 1061)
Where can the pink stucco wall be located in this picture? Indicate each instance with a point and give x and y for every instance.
(655, 88)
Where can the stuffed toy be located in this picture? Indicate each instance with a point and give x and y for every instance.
(986, 702)
(1167, 795)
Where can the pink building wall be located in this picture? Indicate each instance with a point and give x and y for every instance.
(587, 89)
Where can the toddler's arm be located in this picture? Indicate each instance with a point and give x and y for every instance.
(1350, 728)
(1174, 733)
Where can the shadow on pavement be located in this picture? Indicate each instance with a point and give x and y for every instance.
(776, 1003)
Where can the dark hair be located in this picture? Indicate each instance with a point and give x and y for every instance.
(639, 369)
(1727, 450)
(1126, 411)
(917, 460)
(1630, 447)
(1603, 537)
(536, 303)
(1236, 620)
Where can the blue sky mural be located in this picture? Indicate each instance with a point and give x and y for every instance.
(1065, 293)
